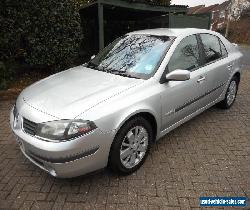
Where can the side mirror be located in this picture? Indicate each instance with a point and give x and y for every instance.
(178, 75)
(92, 57)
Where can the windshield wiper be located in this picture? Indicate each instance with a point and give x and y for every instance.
(121, 73)
(112, 71)
(91, 64)
(95, 66)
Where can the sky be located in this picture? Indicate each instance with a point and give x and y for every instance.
(192, 3)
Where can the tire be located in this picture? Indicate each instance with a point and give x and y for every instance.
(128, 153)
(231, 94)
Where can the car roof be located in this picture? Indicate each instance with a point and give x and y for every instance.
(176, 32)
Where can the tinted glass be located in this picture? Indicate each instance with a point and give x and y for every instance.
(186, 55)
(137, 55)
(212, 47)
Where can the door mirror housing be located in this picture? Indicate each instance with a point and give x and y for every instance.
(178, 75)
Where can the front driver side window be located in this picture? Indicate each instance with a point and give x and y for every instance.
(186, 55)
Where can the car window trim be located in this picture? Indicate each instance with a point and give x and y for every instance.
(163, 79)
(172, 39)
(148, 76)
(222, 44)
(204, 54)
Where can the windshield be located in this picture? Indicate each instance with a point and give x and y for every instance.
(135, 55)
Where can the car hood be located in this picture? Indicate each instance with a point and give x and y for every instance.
(69, 93)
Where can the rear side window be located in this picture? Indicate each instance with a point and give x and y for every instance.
(186, 55)
(213, 47)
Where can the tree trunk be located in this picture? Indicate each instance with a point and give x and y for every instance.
(227, 28)
(229, 18)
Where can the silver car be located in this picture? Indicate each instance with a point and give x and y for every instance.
(110, 110)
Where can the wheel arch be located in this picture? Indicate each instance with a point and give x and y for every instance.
(142, 113)
(237, 75)
(147, 115)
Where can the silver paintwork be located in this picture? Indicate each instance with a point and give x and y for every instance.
(110, 100)
(178, 75)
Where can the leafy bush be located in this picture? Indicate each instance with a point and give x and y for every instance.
(3, 84)
(6, 74)
(40, 32)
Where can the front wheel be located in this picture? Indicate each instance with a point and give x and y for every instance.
(131, 146)
(230, 94)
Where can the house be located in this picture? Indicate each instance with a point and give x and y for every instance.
(194, 10)
(219, 14)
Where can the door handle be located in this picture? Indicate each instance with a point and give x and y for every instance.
(201, 79)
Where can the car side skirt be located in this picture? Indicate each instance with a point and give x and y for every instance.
(187, 118)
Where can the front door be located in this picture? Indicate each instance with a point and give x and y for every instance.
(182, 98)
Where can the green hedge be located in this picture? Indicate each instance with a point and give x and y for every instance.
(38, 32)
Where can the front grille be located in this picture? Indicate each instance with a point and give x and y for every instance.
(29, 126)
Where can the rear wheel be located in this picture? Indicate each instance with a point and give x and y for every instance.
(230, 94)
(131, 146)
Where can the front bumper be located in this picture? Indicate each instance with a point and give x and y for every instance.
(65, 159)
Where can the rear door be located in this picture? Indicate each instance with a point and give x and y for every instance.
(216, 66)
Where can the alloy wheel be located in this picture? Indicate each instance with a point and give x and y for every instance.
(231, 92)
(134, 146)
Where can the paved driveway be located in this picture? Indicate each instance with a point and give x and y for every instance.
(246, 56)
(208, 156)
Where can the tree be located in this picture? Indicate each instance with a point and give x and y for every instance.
(236, 8)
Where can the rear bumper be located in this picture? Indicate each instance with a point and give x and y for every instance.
(65, 159)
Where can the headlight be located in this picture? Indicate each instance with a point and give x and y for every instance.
(64, 129)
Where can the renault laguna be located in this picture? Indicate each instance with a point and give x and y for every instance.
(109, 111)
